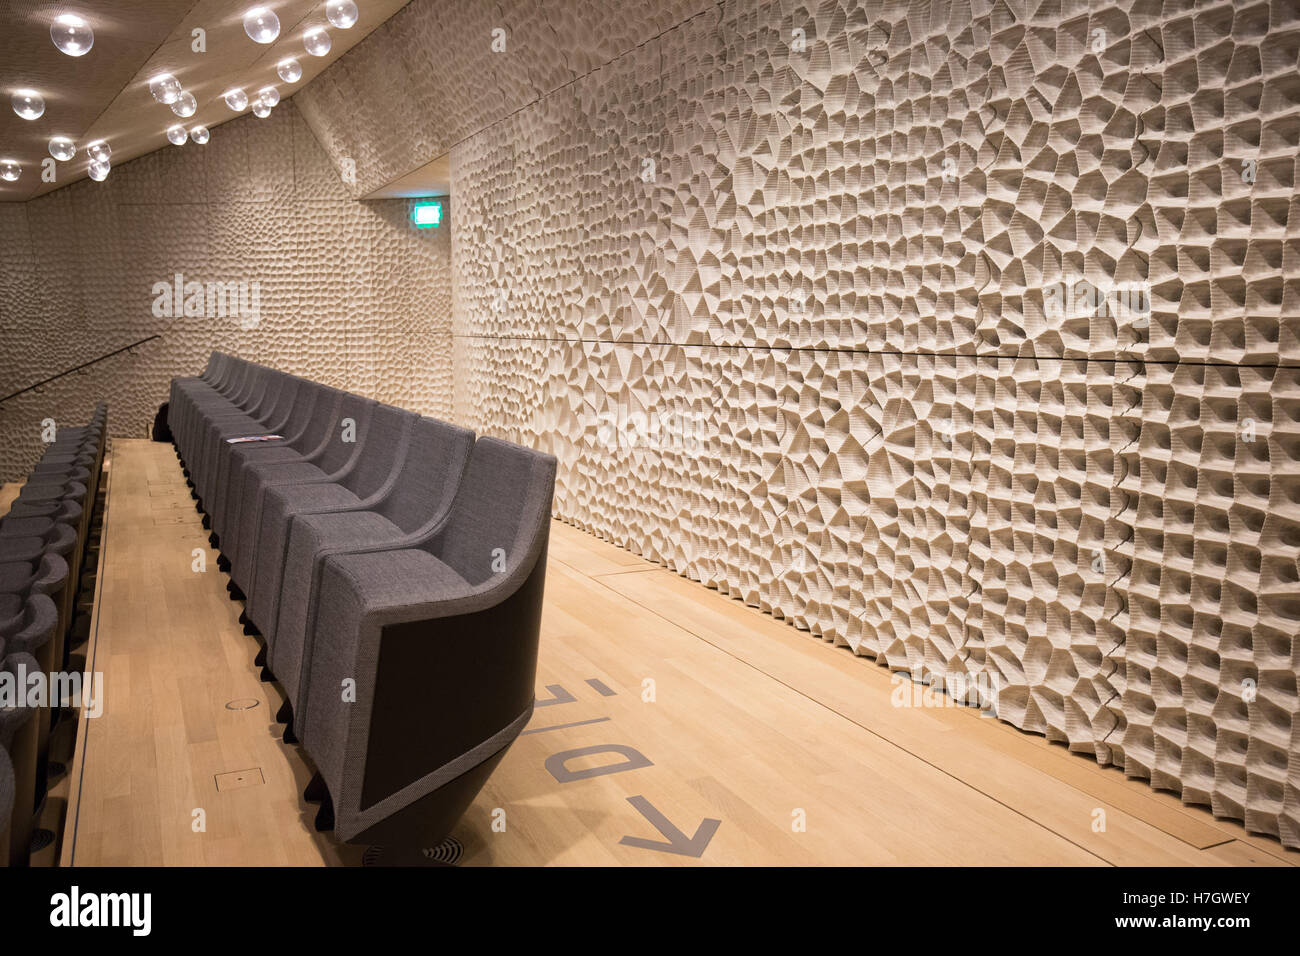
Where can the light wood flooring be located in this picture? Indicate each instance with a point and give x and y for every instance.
(730, 737)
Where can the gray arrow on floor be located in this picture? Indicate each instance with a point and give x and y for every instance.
(678, 842)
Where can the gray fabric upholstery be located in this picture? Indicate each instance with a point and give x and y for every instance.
(26, 577)
(334, 542)
(416, 504)
(14, 719)
(330, 460)
(7, 792)
(311, 537)
(313, 421)
(18, 736)
(60, 539)
(377, 468)
(503, 503)
(11, 616)
(35, 626)
(273, 415)
(32, 494)
(40, 525)
(266, 555)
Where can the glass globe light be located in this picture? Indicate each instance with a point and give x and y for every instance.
(72, 35)
(166, 89)
(10, 171)
(176, 135)
(186, 105)
(290, 70)
(269, 95)
(261, 24)
(261, 108)
(341, 13)
(200, 134)
(99, 171)
(28, 104)
(62, 148)
(99, 151)
(317, 41)
(236, 99)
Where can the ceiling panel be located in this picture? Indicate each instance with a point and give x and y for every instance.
(105, 93)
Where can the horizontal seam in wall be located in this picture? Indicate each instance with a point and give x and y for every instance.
(1134, 360)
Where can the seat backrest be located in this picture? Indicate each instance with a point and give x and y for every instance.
(214, 363)
(501, 510)
(248, 385)
(342, 441)
(313, 419)
(292, 392)
(426, 483)
(382, 447)
(231, 368)
(278, 392)
(293, 415)
(8, 784)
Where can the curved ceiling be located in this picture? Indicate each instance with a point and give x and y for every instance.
(104, 94)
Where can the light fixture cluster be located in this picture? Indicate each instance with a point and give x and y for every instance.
(167, 89)
(263, 26)
(73, 36)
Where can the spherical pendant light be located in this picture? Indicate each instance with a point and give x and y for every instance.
(62, 148)
(261, 24)
(72, 35)
(317, 41)
(342, 13)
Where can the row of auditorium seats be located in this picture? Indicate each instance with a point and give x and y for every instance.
(44, 541)
(393, 567)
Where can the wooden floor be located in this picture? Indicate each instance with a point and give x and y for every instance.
(728, 737)
(8, 492)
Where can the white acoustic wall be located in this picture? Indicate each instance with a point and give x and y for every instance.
(815, 358)
(348, 293)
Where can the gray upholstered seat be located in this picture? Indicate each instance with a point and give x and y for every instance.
(15, 524)
(58, 539)
(19, 739)
(253, 389)
(328, 460)
(23, 577)
(311, 428)
(270, 416)
(7, 793)
(416, 507)
(37, 636)
(384, 451)
(441, 643)
(38, 493)
(290, 417)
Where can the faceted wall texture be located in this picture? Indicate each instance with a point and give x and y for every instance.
(789, 289)
(348, 293)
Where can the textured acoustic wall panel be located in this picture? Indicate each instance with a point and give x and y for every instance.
(963, 334)
(347, 293)
(441, 70)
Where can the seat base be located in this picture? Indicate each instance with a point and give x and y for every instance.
(429, 820)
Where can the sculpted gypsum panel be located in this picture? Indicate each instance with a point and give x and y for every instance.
(1104, 533)
(347, 293)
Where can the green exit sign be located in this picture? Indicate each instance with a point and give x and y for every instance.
(427, 215)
